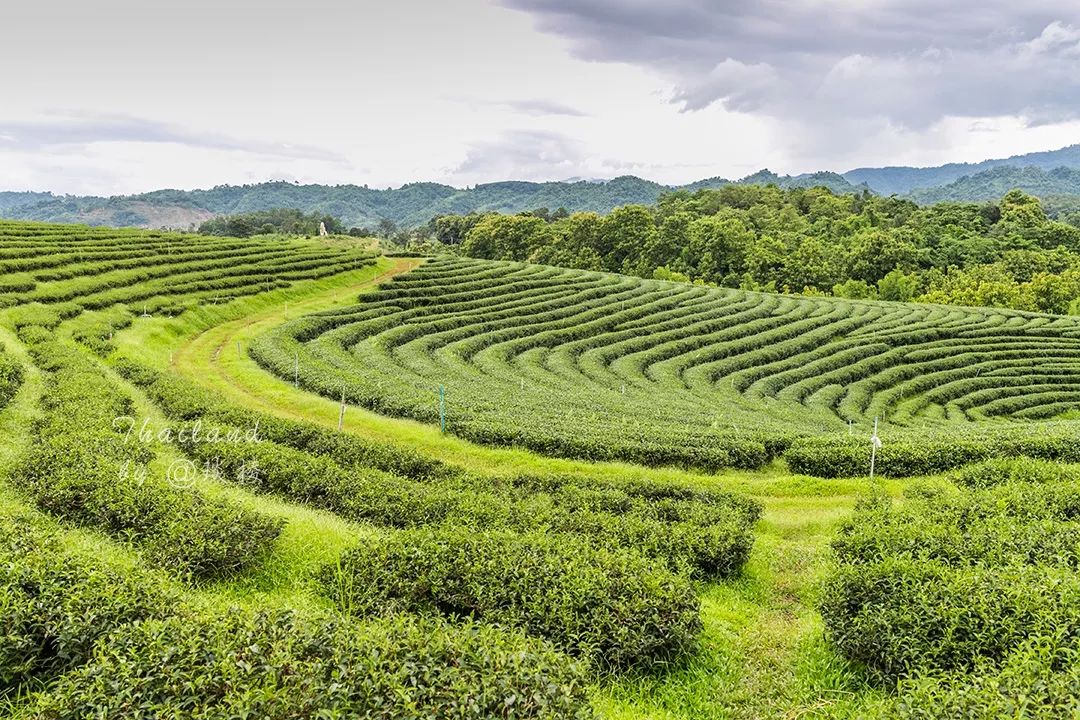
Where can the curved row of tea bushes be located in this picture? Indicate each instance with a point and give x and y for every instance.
(710, 534)
(55, 604)
(904, 617)
(82, 467)
(1040, 681)
(67, 269)
(613, 608)
(999, 472)
(930, 452)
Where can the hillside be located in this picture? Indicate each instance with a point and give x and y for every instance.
(742, 374)
(10, 200)
(992, 184)
(282, 543)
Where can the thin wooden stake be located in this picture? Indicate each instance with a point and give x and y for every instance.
(442, 409)
(341, 415)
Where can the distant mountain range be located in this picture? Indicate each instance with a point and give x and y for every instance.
(904, 180)
(1045, 174)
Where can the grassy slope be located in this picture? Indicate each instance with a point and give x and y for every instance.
(764, 654)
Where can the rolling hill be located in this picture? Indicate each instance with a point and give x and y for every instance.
(992, 184)
(407, 206)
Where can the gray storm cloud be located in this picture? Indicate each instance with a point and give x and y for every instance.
(908, 62)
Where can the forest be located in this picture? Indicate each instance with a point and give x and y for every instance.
(807, 241)
(269, 222)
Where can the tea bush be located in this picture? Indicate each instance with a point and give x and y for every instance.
(280, 666)
(956, 579)
(55, 603)
(613, 608)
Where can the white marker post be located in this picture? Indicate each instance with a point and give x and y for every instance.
(296, 369)
(875, 443)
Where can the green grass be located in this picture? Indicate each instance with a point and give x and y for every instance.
(763, 650)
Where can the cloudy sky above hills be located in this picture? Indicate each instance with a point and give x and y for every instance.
(119, 96)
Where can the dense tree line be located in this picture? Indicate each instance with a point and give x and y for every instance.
(805, 240)
(269, 222)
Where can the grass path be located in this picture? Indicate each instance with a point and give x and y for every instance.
(764, 654)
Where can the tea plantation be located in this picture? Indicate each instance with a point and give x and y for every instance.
(225, 491)
(608, 367)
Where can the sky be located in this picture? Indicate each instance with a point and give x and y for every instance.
(111, 97)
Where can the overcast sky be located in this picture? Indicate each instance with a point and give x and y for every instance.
(120, 96)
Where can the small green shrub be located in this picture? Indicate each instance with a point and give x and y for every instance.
(1006, 524)
(955, 579)
(903, 617)
(613, 608)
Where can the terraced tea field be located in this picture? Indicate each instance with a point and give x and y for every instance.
(185, 534)
(96, 268)
(600, 366)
